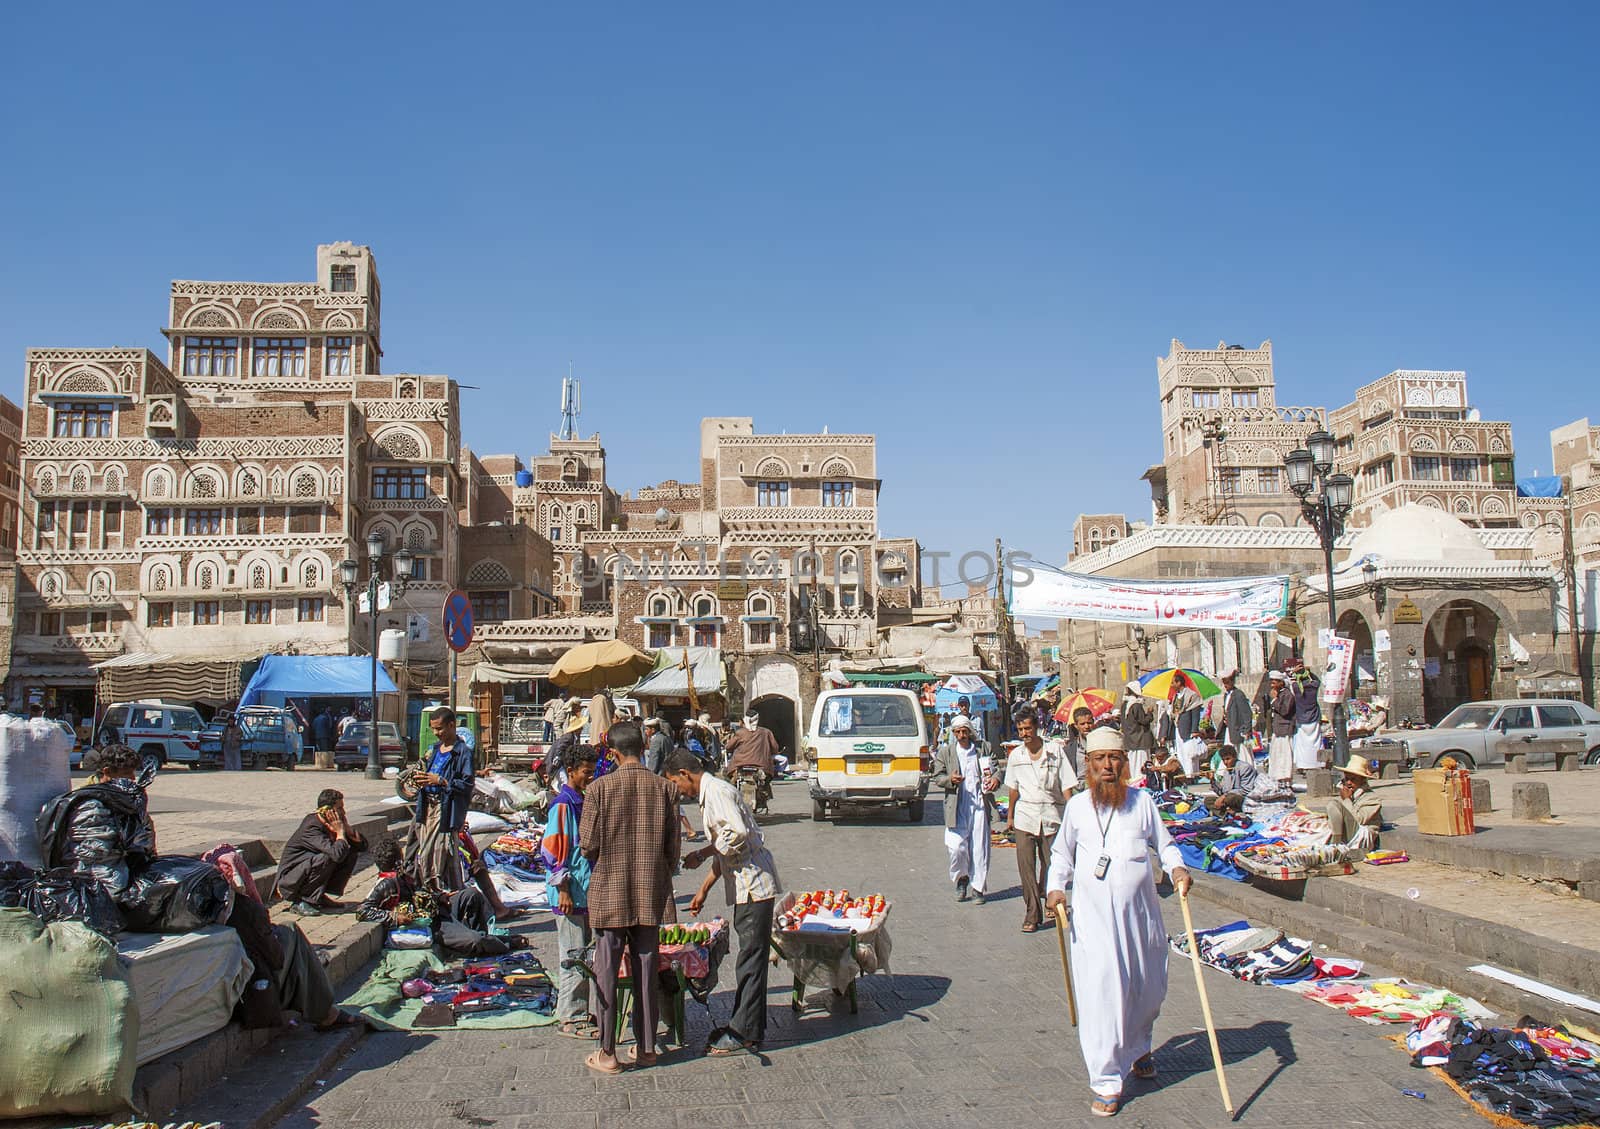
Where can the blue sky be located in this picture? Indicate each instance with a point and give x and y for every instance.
(967, 228)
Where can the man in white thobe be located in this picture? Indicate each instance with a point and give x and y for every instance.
(962, 770)
(1119, 944)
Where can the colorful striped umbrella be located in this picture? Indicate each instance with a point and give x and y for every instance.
(1159, 683)
(1096, 701)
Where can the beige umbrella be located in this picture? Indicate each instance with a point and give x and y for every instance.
(598, 666)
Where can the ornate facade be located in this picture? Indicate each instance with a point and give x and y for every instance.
(199, 506)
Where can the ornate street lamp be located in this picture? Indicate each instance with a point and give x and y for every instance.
(403, 567)
(1369, 572)
(1325, 510)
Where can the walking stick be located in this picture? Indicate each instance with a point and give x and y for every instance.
(1205, 1003)
(1066, 963)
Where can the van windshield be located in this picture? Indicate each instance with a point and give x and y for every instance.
(869, 715)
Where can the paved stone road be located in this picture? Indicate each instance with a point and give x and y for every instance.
(970, 1029)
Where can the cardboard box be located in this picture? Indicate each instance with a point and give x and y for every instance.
(1444, 801)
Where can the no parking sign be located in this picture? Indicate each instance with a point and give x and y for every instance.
(457, 619)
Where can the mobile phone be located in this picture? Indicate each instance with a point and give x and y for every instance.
(1102, 865)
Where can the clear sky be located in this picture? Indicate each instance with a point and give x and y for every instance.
(969, 228)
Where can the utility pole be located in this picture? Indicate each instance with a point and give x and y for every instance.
(1002, 619)
(1569, 562)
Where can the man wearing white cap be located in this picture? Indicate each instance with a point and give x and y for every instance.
(1138, 728)
(1119, 944)
(960, 770)
(1280, 753)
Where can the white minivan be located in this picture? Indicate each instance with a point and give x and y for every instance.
(871, 749)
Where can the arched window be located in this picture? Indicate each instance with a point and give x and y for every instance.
(305, 484)
(660, 608)
(258, 575)
(161, 578)
(80, 481)
(113, 480)
(205, 577)
(705, 606)
(311, 575)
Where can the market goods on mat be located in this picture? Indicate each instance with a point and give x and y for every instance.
(1531, 1075)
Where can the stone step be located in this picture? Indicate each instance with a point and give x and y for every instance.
(1509, 851)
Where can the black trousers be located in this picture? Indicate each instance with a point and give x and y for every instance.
(752, 922)
(322, 877)
(1033, 867)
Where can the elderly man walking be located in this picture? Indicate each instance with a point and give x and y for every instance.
(1119, 944)
(967, 786)
(629, 834)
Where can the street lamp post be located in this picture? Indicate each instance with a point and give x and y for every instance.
(350, 574)
(1325, 500)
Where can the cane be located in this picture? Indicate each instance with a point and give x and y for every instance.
(1066, 963)
(1205, 1003)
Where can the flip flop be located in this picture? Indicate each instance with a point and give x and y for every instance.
(593, 1063)
(637, 1059)
(585, 1031)
(1030, 928)
(1106, 1107)
(345, 1019)
(1145, 1067)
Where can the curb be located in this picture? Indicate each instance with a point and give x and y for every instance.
(1393, 951)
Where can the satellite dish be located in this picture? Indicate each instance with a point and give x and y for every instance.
(662, 514)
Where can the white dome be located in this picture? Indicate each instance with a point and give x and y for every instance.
(1419, 533)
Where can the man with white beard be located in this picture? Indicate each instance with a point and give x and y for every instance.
(1119, 944)
(960, 771)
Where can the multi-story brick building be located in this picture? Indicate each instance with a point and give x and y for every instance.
(10, 517)
(197, 508)
(1092, 532)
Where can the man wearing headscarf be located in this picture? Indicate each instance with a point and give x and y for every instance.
(1237, 716)
(1280, 753)
(1304, 685)
(1186, 710)
(1138, 728)
(754, 746)
(1119, 944)
(960, 771)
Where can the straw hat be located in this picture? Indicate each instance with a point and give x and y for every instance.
(575, 722)
(1358, 766)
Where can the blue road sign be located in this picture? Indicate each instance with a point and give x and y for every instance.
(458, 621)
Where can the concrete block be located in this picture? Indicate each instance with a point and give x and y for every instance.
(1569, 762)
(1480, 795)
(1320, 784)
(1391, 770)
(1530, 800)
(1516, 765)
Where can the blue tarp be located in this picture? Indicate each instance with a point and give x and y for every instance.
(344, 676)
(982, 700)
(1548, 486)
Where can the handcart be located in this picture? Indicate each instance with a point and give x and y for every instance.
(681, 972)
(842, 953)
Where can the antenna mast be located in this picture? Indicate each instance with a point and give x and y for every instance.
(571, 404)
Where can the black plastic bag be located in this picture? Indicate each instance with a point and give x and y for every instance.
(177, 894)
(15, 880)
(61, 895)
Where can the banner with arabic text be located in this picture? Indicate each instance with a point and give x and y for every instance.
(1254, 603)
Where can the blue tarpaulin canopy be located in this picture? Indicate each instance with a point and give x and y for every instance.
(344, 676)
(971, 687)
(1548, 486)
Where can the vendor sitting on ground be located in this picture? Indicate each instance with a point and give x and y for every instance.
(319, 857)
(286, 972)
(103, 830)
(391, 901)
(1356, 813)
(1163, 770)
(1233, 780)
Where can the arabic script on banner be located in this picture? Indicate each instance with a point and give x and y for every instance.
(1253, 603)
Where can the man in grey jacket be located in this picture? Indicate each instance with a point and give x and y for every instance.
(963, 770)
(1239, 718)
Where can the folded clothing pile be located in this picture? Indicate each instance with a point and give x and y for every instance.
(1393, 1001)
(410, 990)
(1531, 1074)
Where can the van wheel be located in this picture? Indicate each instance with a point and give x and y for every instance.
(819, 811)
(915, 810)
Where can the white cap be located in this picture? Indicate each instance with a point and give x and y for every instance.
(960, 721)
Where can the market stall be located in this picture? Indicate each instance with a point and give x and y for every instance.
(830, 937)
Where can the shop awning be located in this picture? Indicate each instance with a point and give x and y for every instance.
(25, 670)
(345, 676)
(157, 674)
(671, 680)
(880, 678)
(506, 672)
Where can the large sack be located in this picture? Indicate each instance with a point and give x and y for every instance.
(33, 769)
(176, 894)
(67, 1046)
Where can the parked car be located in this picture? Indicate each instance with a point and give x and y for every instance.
(1486, 733)
(168, 733)
(270, 739)
(351, 751)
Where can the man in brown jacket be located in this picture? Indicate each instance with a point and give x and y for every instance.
(629, 833)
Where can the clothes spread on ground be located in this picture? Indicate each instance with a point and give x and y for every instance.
(508, 991)
(1530, 1074)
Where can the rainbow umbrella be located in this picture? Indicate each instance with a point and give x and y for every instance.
(1159, 683)
(1096, 701)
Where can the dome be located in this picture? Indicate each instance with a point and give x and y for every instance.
(1419, 533)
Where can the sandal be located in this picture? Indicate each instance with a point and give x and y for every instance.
(1030, 927)
(1106, 1107)
(344, 1019)
(579, 1030)
(638, 1059)
(1145, 1067)
(596, 1063)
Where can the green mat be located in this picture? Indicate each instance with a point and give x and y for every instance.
(382, 1002)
